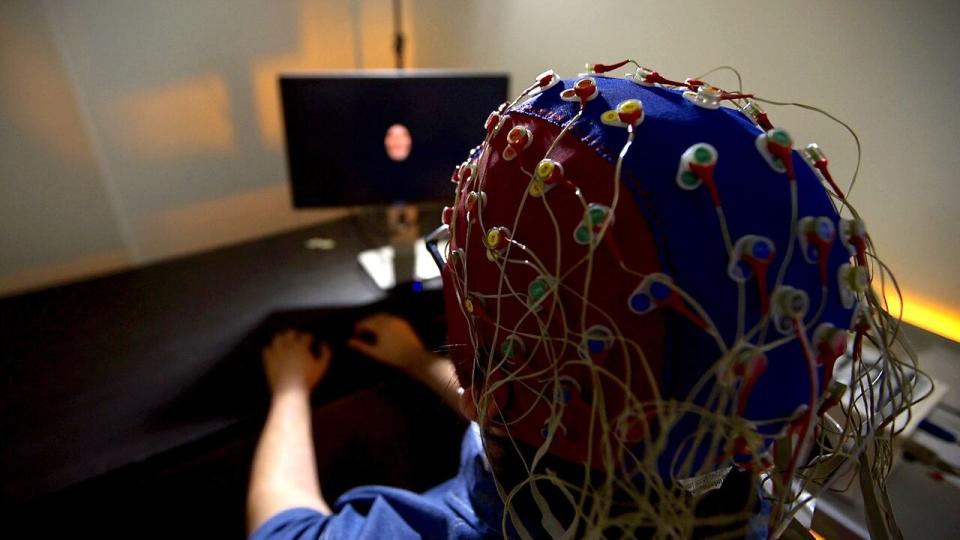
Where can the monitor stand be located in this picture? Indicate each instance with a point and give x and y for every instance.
(405, 259)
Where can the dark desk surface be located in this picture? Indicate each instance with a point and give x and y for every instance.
(108, 372)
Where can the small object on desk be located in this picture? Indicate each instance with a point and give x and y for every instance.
(380, 264)
(320, 243)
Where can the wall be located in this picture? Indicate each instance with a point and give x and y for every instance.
(55, 215)
(888, 69)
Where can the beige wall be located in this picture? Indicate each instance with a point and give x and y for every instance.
(157, 131)
(55, 215)
(887, 68)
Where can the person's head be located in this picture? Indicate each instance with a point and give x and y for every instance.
(647, 284)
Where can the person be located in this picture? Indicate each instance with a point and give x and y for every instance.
(647, 288)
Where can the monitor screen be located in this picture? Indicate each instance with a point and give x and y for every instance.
(363, 138)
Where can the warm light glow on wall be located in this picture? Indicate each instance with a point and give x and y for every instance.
(926, 314)
(189, 117)
(326, 43)
(224, 220)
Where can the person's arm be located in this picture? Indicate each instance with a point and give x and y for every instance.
(284, 473)
(395, 343)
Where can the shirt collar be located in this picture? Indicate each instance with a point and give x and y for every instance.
(478, 476)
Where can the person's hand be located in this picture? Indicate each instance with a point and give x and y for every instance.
(392, 341)
(289, 363)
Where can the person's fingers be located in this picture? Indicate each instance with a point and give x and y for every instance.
(361, 346)
(303, 338)
(365, 325)
(365, 330)
(325, 352)
(269, 359)
(373, 323)
(357, 344)
(291, 338)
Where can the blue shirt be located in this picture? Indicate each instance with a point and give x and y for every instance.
(465, 507)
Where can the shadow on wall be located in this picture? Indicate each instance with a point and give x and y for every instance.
(55, 218)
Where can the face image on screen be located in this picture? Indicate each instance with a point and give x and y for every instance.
(360, 139)
(398, 142)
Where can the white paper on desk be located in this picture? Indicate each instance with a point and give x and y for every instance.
(378, 263)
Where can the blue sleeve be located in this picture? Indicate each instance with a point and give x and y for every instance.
(292, 524)
(364, 518)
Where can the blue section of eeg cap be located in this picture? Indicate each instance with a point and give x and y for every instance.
(755, 199)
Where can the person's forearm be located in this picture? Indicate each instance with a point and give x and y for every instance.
(284, 473)
(439, 375)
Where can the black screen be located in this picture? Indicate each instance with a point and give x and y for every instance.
(337, 126)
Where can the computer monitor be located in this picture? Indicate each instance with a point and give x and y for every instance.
(381, 137)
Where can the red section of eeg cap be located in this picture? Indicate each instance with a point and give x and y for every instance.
(628, 240)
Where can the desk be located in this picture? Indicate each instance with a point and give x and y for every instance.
(116, 372)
